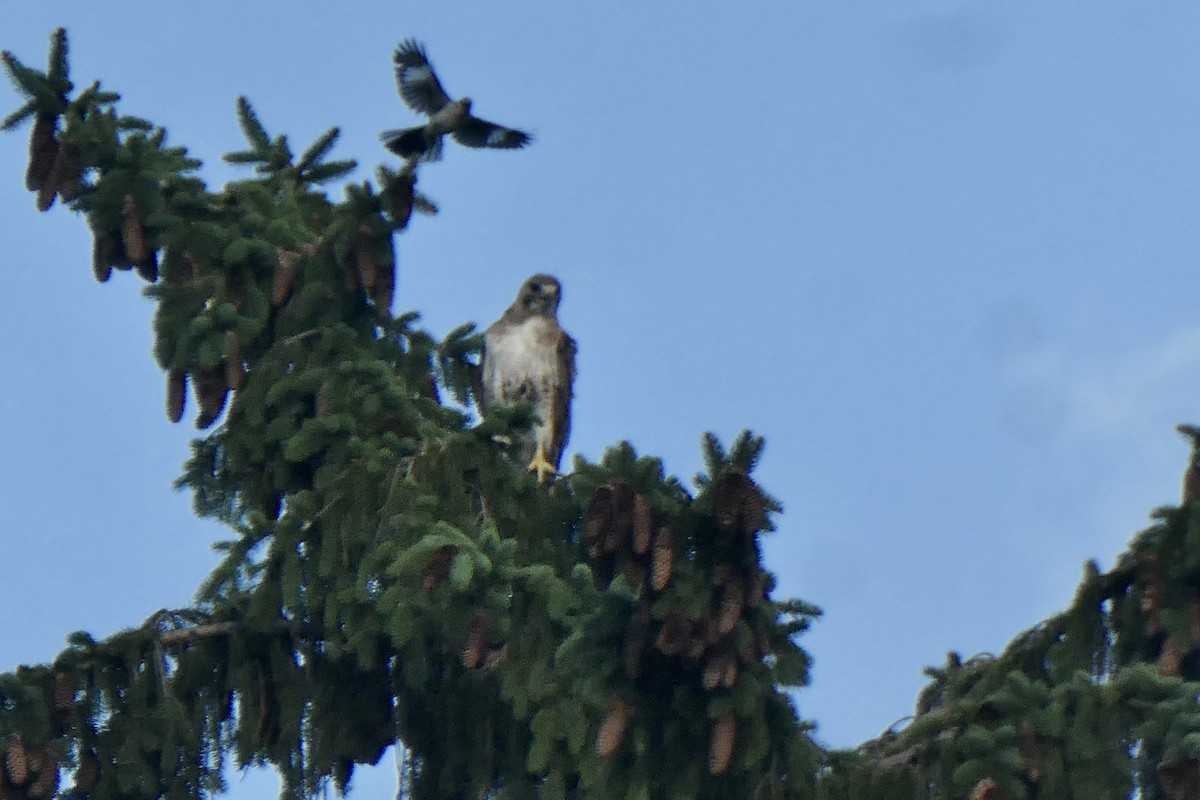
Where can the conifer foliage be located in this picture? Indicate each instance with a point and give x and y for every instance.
(390, 576)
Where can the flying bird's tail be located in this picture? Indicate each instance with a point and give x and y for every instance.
(413, 143)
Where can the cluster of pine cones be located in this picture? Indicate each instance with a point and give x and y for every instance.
(620, 536)
(31, 772)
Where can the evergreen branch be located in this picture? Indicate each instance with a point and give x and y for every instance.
(128, 123)
(424, 204)
(58, 69)
(25, 80)
(318, 150)
(329, 171)
(252, 128)
(15, 119)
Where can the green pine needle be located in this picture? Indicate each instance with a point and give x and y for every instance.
(329, 171)
(58, 68)
(14, 119)
(318, 150)
(25, 80)
(254, 131)
(424, 205)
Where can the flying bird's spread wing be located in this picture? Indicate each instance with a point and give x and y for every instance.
(418, 83)
(475, 132)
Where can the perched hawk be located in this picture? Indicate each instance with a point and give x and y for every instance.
(528, 356)
(423, 93)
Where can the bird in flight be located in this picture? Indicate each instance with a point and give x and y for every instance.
(422, 92)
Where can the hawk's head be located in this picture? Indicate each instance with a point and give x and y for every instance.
(540, 295)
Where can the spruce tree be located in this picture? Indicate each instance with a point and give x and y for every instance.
(391, 574)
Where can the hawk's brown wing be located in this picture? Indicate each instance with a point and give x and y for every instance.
(563, 392)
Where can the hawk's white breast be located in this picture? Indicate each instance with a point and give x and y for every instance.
(522, 361)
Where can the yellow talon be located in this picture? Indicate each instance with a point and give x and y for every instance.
(541, 466)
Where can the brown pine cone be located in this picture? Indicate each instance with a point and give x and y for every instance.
(235, 371)
(437, 569)
(733, 598)
(476, 646)
(133, 235)
(88, 774)
(720, 745)
(43, 149)
(16, 762)
(45, 783)
(102, 258)
(68, 171)
(208, 384)
(662, 559)
(177, 381)
(612, 729)
(643, 525)
(287, 264)
(366, 260)
(634, 646)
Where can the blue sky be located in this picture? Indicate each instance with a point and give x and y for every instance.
(941, 254)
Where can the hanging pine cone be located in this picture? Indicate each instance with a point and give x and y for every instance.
(88, 774)
(437, 569)
(1030, 750)
(476, 645)
(720, 745)
(384, 290)
(733, 598)
(634, 646)
(133, 235)
(287, 264)
(714, 668)
(674, 635)
(68, 171)
(1170, 659)
(16, 762)
(366, 260)
(756, 589)
(612, 729)
(64, 692)
(738, 504)
(236, 289)
(1180, 780)
(634, 570)
(176, 394)
(986, 789)
(1149, 576)
(46, 194)
(696, 645)
(643, 525)
(45, 783)
(208, 384)
(596, 520)
(662, 559)
(495, 657)
(103, 252)
(235, 370)
(147, 268)
(730, 675)
(400, 192)
(43, 149)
